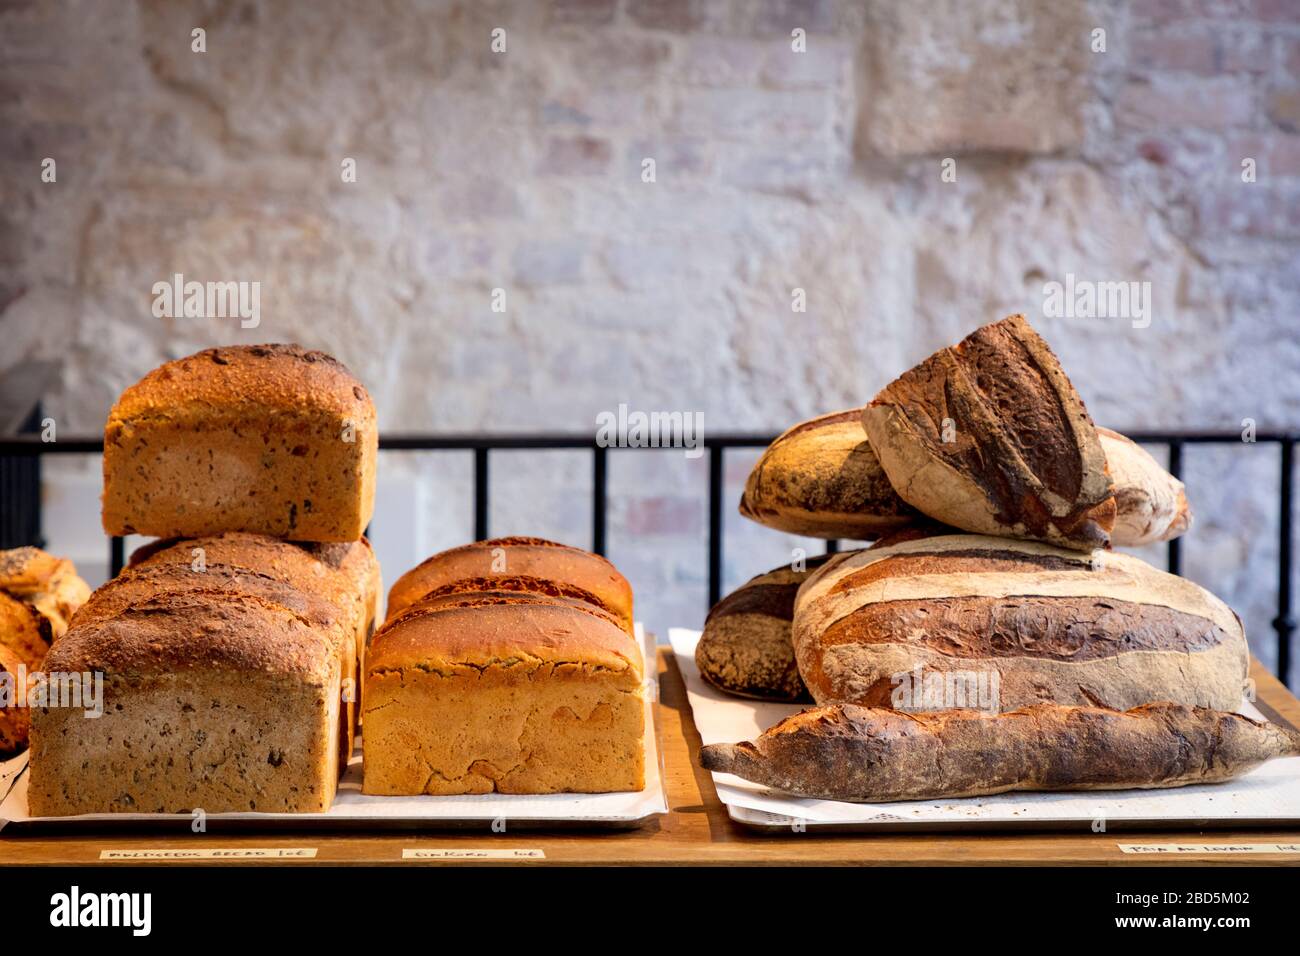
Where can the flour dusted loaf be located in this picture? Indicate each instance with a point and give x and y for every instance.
(517, 564)
(270, 439)
(38, 595)
(1050, 624)
(861, 754)
(822, 479)
(990, 436)
(1150, 504)
(516, 689)
(229, 668)
(745, 648)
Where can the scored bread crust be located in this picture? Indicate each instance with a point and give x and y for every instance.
(1054, 624)
(482, 565)
(859, 754)
(1020, 456)
(516, 693)
(1150, 503)
(822, 479)
(273, 439)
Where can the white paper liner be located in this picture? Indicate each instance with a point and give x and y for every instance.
(1270, 793)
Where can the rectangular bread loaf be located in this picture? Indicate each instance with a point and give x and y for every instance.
(229, 682)
(270, 439)
(483, 692)
(1049, 624)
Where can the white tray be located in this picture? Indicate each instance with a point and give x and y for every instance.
(1269, 795)
(354, 810)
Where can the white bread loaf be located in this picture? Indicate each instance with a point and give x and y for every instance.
(1051, 624)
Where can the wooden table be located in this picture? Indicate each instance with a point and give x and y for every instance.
(696, 830)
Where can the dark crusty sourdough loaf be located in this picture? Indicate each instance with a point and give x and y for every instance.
(1150, 503)
(989, 436)
(222, 703)
(517, 564)
(745, 648)
(861, 754)
(39, 593)
(271, 439)
(822, 479)
(1049, 624)
(515, 692)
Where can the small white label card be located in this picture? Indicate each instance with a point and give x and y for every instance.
(437, 854)
(1215, 848)
(215, 853)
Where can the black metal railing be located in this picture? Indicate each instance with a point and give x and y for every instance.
(716, 447)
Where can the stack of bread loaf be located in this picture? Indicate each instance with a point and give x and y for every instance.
(995, 502)
(229, 649)
(506, 665)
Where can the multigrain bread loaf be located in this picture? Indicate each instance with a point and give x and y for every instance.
(860, 754)
(230, 670)
(1150, 503)
(517, 564)
(990, 436)
(822, 479)
(745, 648)
(221, 704)
(508, 693)
(39, 593)
(271, 439)
(1046, 624)
(346, 574)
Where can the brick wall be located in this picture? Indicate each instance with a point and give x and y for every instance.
(774, 170)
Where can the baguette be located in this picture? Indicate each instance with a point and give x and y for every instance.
(821, 479)
(867, 755)
(990, 436)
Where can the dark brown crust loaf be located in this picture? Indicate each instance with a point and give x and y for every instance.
(745, 648)
(533, 564)
(822, 479)
(271, 439)
(1022, 456)
(867, 755)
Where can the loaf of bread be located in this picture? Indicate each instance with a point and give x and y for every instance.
(229, 669)
(270, 439)
(1023, 621)
(1150, 503)
(990, 436)
(745, 648)
(38, 595)
(508, 692)
(517, 564)
(867, 755)
(822, 479)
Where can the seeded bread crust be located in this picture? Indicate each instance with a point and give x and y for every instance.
(271, 439)
(483, 565)
(509, 693)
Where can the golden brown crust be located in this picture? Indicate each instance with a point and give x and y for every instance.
(273, 439)
(845, 752)
(483, 564)
(1019, 456)
(1150, 504)
(821, 478)
(48, 584)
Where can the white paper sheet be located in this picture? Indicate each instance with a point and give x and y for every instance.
(350, 804)
(1268, 794)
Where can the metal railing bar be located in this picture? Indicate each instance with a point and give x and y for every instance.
(715, 523)
(1174, 554)
(1285, 623)
(599, 498)
(480, 494)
